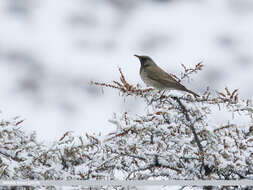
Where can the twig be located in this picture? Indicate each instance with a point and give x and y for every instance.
(196, 138)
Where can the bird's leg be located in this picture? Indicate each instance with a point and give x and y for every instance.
(159, 97)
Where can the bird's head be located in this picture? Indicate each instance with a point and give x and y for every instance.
(145, 60)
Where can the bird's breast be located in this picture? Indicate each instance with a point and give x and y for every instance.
(150, 82)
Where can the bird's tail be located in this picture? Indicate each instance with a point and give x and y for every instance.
(193, 93)
(182, 87)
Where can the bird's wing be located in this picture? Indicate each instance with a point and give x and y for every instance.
(160, 75)
(157, 74)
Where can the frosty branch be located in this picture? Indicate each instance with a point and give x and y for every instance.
(172, 126)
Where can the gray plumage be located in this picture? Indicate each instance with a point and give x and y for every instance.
(153, 75)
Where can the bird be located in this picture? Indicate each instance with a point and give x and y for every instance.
(152, 75)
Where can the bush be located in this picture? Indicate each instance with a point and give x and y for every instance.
(173, 139)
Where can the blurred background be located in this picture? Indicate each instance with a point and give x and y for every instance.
(51, 50)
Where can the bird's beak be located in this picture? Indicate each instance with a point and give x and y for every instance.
(137, 56)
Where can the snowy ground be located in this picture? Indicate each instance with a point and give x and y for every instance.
(51, 50)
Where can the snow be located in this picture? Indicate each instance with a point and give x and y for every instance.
(51, 50)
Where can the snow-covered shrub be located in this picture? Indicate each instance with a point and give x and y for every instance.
(174, 138)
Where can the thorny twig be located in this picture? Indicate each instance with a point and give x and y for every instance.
(124, 87)
(188, 71)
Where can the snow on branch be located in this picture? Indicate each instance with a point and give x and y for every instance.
(173, 138)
